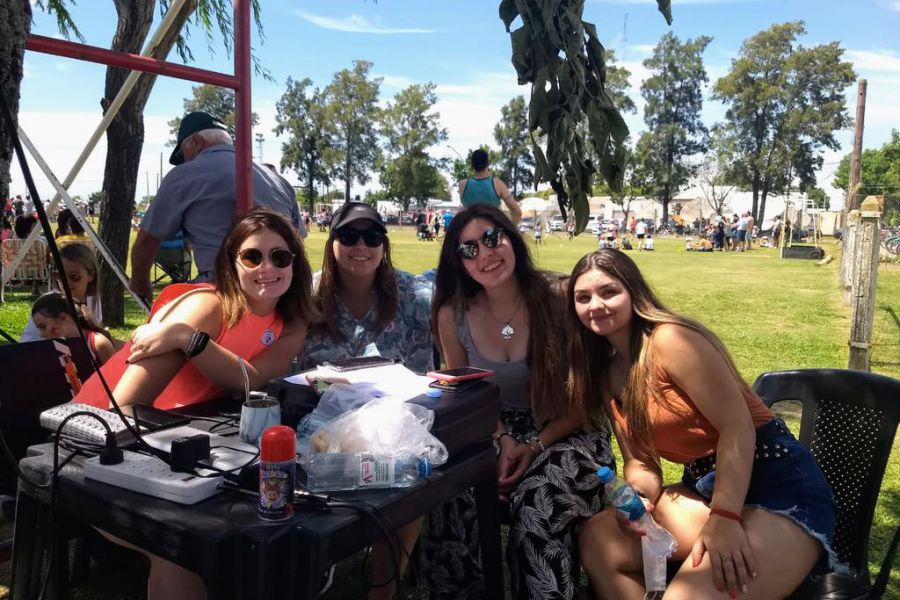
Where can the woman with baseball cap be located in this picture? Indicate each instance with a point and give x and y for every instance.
(368, 307)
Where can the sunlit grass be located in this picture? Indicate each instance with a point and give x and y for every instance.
(772, 314)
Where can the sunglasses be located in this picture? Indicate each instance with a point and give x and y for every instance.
(491, 238)
(252, 258)
(350, 237)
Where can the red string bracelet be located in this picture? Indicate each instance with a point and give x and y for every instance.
(727, 514)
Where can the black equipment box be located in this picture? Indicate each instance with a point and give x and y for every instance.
(460, 420)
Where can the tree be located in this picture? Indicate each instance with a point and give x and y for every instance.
(125, 135)
(217, 101)
(560, 55)
(818, 197)
(303, 116)
(674, 99)
(617, 84)
(512, 135)
(633, 184)
(879, 171)
(353, 108)
(712, 176)
(411, 126)
(15, 24)
(784, 104)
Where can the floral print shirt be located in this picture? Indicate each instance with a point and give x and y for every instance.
(408, 337)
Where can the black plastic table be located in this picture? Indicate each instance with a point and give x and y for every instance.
(223, 540)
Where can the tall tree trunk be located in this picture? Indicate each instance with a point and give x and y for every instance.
(757, 184)
(15, 24)
(125, 140)
(762, 207)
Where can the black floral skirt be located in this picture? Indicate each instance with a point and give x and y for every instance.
(551, 502)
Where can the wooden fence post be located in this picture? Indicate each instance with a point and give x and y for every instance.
(848, 248)
(864, 281)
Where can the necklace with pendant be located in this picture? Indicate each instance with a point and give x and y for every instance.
(507, 331)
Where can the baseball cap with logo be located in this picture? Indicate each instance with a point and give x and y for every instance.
(191, 124)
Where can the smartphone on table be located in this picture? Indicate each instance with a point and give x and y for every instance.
(460, 374)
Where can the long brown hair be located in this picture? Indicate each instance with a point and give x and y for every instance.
(453, 287)
(590, 355)
(330, 282)
(296, 302)
(83, 255)
(54, 304)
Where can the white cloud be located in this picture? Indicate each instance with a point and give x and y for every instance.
(642, 48)
(875, 60)
(355, 24)
(895, 5)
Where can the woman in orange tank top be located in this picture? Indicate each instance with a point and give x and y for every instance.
(190, 349)
(671, 390)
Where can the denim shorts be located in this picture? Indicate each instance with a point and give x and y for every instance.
(785, 481)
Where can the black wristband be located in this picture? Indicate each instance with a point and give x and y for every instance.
(199, 340)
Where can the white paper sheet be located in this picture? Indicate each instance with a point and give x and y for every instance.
(394, 381)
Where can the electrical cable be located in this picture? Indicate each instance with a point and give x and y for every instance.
(57, 262)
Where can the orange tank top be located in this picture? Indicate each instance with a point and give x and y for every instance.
(680, 432)
(248, 338)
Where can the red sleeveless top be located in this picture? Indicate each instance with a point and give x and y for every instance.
(248, 338)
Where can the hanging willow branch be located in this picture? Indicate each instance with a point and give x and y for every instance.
(563, 60)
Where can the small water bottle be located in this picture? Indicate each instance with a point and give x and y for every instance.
(336, 471)
(658, 545)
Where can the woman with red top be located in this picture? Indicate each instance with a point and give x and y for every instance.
(190, 349)
(753, 513)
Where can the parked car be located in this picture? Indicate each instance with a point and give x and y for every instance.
(557, 224)
(526, 224)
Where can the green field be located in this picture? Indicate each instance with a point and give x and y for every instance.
(772, 314)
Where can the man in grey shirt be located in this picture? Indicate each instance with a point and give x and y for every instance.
(198, 198)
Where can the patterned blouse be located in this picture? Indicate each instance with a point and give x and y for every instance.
(408, 337)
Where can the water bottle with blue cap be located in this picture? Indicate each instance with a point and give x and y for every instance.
(657, 545)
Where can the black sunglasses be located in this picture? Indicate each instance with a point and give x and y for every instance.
(491, 238)
(350, 237)
(252, 258)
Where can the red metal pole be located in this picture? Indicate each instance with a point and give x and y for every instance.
(40, 43)
(242, 122)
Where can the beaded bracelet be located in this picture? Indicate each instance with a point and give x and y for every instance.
(540, 444)
(727, 514)
(499, 436)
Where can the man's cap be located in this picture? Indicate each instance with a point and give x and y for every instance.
(191, 124)
(356, 211)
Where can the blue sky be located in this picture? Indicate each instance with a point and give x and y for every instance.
(460, 45)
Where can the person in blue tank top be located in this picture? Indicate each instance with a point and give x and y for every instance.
(483, 188)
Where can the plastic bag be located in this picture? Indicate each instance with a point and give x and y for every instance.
(338, 399)
(383, 427)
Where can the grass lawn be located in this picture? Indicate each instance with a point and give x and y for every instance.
(772, 314)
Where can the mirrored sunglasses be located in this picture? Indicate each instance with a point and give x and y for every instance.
(491, 238)
(350, 237)
(279, 257)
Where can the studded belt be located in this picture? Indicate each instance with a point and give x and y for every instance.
(766, 448)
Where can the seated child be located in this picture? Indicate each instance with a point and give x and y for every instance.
(54, 319)
(648, 243)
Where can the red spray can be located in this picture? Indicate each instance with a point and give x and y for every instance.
(277, 471)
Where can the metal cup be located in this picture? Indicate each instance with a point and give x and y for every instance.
(257, 415)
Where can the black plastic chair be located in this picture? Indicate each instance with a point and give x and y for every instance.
(848, 422)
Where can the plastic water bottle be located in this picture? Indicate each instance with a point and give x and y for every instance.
(335, 471)
(658, 545)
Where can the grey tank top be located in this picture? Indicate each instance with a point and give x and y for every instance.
(510, 377)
